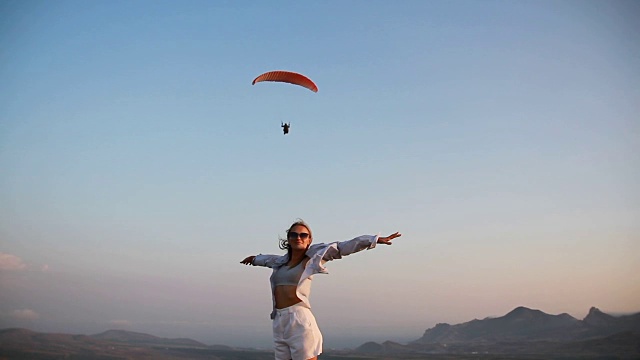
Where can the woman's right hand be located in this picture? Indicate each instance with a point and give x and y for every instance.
(248, 260)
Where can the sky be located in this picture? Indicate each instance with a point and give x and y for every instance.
(138, 165)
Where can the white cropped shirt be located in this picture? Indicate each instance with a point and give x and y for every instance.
(318, 255)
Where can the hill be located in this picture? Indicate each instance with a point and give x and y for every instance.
(524, 324)
(521, 333)
(130, 337)
(525, 331)
(112, 345)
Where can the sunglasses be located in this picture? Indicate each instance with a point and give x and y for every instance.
(294, 235)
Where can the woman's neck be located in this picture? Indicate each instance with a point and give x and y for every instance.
(297, 256)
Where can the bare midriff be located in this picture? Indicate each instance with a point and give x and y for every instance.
(285, 296)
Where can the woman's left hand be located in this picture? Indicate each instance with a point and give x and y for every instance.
(387, 239)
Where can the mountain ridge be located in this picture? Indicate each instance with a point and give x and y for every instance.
(527, 331)
(20, 343)
(522, 331)
(132, 337)
(525, 324)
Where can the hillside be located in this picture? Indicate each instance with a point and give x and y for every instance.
(524, 324)
(521, 333)
(112, 345)
(131, 337)
(525, 332)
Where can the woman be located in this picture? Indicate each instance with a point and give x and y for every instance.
(295, 332)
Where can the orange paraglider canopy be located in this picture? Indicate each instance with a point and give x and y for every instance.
(287, 77)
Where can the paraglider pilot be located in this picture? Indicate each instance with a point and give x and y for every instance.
(285, 127)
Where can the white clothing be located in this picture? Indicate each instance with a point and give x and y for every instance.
(318, 255)
(296, 334)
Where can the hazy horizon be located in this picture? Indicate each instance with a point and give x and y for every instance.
(139, 165)
(338, 338)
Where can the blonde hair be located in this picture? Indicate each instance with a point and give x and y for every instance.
(284, 243)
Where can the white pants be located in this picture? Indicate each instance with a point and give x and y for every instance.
(296, 334)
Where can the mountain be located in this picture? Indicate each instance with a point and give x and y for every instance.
(370, 348)
(390, 347)
(524, 324)
(597, 322)
(525, 331)
(27, 344)
(619, 346)
(113, 344)
(36, 340)
(130, 337)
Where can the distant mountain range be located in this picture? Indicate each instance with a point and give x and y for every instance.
(524, 324)
(528, 331)
(113, 344)
(130, 337)
(522, 332)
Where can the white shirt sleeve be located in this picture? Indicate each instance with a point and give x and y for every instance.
(265, 260)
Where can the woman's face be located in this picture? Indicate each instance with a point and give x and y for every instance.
(299, 237)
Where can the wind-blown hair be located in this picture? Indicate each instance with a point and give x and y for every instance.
(284, 243)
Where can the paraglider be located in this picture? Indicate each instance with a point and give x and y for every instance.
(285, 127)
(287, 77)
(290, 78)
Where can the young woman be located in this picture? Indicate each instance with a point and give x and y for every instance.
(295, 332)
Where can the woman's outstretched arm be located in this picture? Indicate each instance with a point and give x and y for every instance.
(261, 260)
(344, 248)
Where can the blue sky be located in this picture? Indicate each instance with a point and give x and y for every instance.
(139, 164)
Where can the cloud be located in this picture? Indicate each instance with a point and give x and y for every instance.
(10, 262)
(24, 314)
